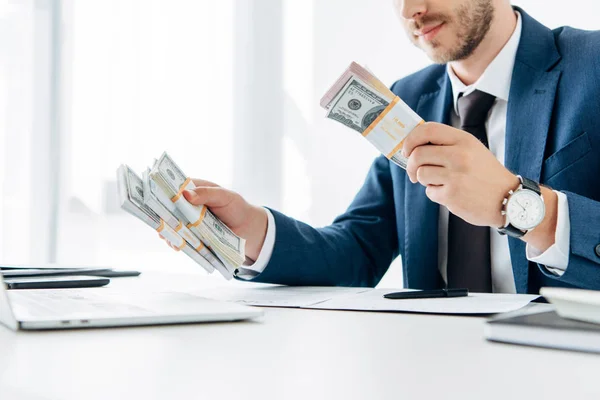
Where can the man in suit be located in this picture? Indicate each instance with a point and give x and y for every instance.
(510, 104)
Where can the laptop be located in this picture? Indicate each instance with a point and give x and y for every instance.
(86, 308)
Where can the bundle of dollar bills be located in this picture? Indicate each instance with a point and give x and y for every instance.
(362, 102)
(157, 199)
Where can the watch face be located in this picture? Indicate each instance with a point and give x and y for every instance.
(525, 209)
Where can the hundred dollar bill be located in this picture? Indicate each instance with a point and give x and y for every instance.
(172, 181)
(131, 200)
(357, 106)
(355, 70)
(363, 103)
(168, 215)
(165, 200)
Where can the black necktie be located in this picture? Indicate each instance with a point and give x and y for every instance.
(469, 258)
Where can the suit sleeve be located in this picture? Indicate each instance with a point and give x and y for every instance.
(355, 250)
(583, 269)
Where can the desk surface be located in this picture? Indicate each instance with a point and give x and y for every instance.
(290, 354)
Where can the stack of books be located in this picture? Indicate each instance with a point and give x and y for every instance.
(573, 323)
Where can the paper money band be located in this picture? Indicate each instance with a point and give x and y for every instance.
(388, 131)
(185, 232)
(199, 221)
(399, 146)
(381, 116)
(170, 235)
(181, 189)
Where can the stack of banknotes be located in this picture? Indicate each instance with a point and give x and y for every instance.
(362, 102)
(157, 199)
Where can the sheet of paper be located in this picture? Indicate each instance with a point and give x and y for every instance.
(475, 303)
(281, 296)
(366, 299)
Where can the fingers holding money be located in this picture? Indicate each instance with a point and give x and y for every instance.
(426, 155)
(209, 196)
(430, 133)
(202, 182)
(430, 175)
(227, 205)
(244, 219)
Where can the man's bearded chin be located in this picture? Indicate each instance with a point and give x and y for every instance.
(473, 22)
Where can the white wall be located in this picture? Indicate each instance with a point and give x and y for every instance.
(26, 123)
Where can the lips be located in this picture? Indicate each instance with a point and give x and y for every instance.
(428, 32)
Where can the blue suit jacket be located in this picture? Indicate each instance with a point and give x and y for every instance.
(552, 136)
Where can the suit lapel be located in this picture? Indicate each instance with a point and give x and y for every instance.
(421, 254)
(531, 99)
(528, 120)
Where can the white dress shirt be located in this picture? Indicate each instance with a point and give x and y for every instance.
(496, 81)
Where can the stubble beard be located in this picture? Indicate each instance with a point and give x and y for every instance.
(473, 21)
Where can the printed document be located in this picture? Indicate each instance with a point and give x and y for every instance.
(367, 299)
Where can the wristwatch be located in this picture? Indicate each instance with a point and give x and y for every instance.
(523, 208)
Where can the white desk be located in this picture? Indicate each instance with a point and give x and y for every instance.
(290, 354)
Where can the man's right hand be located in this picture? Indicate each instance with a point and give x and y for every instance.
(243, 218)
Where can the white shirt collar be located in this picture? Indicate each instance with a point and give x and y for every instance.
(496, 78)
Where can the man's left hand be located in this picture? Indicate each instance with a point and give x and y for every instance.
(458, 172)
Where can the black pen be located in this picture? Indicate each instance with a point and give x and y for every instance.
(427, 294)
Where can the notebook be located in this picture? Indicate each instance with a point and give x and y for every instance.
(579, 304)
(544, 329)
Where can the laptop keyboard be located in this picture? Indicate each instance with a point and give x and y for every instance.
(86, 304)
(70, 303)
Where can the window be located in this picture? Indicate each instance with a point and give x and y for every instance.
(143, 77)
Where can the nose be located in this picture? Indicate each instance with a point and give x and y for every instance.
(412, 9)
